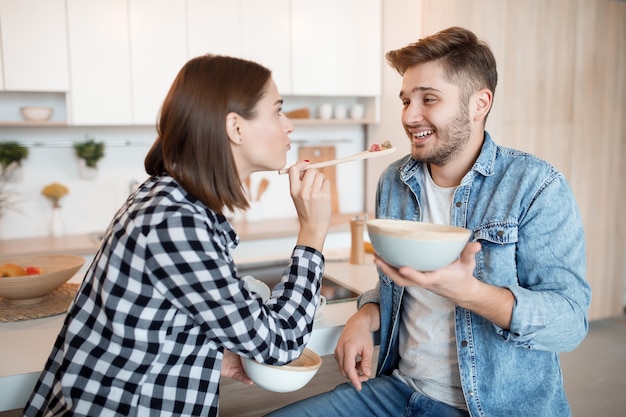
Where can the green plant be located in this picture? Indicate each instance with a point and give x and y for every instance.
(12, 152)
(89, 150)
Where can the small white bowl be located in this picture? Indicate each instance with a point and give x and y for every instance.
(419, 245)
(36, 114)
(285, 378)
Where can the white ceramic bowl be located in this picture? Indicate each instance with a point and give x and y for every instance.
(422, 246)
(36, 114)
(285, 378)
(30, 289)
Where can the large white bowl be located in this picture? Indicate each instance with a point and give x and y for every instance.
(36, 114)
(422, 246)
(285, 378)
(30, 289)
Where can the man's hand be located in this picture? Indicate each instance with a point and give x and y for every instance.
(355, 346)
(457, 283)
(233, 368)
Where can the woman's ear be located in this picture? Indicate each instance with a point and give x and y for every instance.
(233, 121)
(482, 103)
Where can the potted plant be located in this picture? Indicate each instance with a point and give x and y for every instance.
(89, 152)
(11, 156)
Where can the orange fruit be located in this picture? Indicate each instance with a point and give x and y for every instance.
(11, 270)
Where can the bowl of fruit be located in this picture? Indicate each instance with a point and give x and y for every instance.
(29, 279)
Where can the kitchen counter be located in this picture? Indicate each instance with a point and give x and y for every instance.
(26, 344)
(88, 243)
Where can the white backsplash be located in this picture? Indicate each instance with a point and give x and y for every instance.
(90, 204)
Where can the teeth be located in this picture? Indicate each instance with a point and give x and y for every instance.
(422, 134)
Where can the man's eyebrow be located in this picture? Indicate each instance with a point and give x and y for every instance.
(415, 89)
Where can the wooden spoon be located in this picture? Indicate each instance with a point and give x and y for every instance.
(355, 157)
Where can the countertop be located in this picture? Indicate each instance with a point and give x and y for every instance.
(26, 344)
(88, 243)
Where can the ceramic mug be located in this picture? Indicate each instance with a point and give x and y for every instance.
(263, 290)
(258, 287)
(341, 112)
(357, 112)
(325, 111)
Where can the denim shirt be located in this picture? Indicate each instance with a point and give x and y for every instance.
(524, 214)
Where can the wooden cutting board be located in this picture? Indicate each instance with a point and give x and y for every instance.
(319, 154)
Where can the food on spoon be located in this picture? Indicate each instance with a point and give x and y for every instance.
(11, 270)
(379, 147)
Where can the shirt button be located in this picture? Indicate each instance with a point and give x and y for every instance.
(500, 233)
(464, 343)
(458, 204)
(471, 393)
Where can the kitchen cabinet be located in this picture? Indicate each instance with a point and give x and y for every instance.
(265, 37)
(123, 55)
(336, 47)
(100, 91)
(258, 30)
(213, 26)
(158, 49)
(34, 45)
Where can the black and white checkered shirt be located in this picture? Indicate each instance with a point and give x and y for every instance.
(160, 302)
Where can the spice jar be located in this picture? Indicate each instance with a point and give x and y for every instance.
(357, 249)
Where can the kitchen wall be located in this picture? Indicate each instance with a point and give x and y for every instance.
(90, 204)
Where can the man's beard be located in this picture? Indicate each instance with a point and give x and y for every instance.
(451, 140)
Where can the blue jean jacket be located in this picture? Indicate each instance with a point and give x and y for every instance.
(524, 214)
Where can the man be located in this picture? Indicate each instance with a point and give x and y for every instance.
(481, 336)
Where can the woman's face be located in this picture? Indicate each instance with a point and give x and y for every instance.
(265, 139)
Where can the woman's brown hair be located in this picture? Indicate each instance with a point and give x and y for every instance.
(192, 144)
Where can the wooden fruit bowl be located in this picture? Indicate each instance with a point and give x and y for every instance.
(30, 289)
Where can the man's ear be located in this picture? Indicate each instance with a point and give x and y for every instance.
(233, 121)
(482, 101)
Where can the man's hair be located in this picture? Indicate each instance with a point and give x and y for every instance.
(466, 60)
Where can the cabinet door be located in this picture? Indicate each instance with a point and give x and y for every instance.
(337, 47)
(158, 47)
(99, 62)
(34, 45)
(265, 38)
(214, 26)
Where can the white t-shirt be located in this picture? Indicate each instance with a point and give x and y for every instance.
(428, 355)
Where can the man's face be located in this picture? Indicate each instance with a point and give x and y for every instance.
(434, 119)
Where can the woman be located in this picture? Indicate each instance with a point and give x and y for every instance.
(162, 310)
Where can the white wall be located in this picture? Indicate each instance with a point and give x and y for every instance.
(90, 204)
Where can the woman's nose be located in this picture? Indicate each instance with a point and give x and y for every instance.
(288, 124)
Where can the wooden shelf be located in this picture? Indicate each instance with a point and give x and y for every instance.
(31, 124)
(330, 122)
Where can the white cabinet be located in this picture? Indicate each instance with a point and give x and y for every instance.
(258, 30)
(265, 36)
(158, 47)
(213, 26)
(336, 47)
(34, 45)
(100, 92)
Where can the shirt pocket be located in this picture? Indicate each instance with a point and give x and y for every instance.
(500, 233)
(496, 261)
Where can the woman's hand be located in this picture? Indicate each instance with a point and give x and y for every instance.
(310, 192)
(233, 368)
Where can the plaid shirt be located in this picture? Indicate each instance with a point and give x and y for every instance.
(161, 300)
